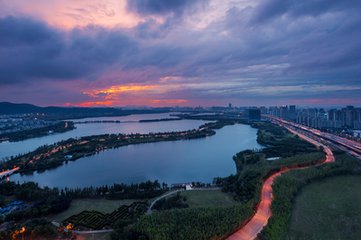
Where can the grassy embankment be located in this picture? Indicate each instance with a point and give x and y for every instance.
(290, 184)
(329, 209)
(208, 198)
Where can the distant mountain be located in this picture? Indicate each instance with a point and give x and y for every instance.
(17, 108)
(71, 112)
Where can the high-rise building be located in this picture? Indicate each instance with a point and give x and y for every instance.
(253, 114)
(292, 112)
(284, 111)
(348, 117)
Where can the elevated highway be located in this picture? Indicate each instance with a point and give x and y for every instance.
(350, 146)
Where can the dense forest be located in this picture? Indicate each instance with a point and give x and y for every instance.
(188, 223)
(40, 201)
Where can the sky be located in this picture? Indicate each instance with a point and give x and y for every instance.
(180, 52)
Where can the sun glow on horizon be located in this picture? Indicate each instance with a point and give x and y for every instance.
(118, 89)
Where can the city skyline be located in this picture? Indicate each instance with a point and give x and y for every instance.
(180, 53)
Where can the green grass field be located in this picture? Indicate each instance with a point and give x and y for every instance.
(208, 198)
(330, 209)
(79, 205)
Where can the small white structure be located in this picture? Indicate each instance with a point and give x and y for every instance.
(273, 158)
(189, 186)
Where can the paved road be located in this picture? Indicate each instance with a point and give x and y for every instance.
(263, 213)
(350, 146)
(149, 211)
(56, 224)
(8, 172)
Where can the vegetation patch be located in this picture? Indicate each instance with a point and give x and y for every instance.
(286, 188)
(37, 201)
(189, 223)
(31, 229)
(208, 198)
(100, 205)
(329, 209)
(97, 220)
(176, 201)
(253, 168)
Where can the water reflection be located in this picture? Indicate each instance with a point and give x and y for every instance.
(171, 162)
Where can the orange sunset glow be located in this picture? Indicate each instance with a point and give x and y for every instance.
(120, 89)
(139, 102)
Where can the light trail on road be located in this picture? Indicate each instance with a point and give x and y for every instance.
(260, 219)
(8, 172)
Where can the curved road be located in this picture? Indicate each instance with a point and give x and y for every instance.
(8, 172)
(149, 211)
(259, 220)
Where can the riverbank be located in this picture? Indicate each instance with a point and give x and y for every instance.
(160, 120)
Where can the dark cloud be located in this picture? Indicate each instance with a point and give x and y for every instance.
(18, 31)
(270, 9)
(32, 50)
(162, 7)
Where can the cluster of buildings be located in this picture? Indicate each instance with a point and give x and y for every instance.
(347, 118)
(16, 123)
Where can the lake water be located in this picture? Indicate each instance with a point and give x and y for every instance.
(170, 162)
(129, 124)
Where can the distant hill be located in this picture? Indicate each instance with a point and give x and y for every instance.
(17, 108)
(71, 112)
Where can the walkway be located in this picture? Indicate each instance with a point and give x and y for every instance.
(149, 211)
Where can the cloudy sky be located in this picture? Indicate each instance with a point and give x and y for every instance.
(180, 52)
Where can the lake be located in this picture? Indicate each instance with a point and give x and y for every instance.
(170, 162)
(129, 124)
